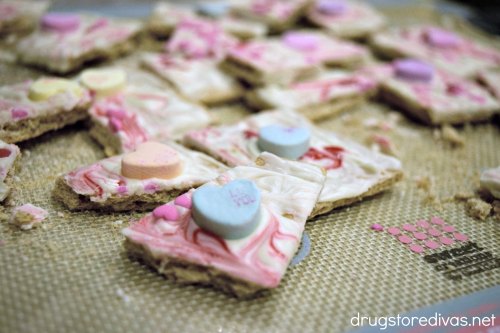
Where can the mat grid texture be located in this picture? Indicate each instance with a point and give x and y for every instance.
(72, 275)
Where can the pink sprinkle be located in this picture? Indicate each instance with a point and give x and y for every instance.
(437, 220)
(115, 124)
(404, 239)
(18, 113)
(432, 244)
(423, 224)
(420, 235)
(434, 232)
(150, 187)
(393, 231)
(183, 201)
(416, 248)
(446, 240)
(100, 23)
(121, 189)
(409, 227)
(460, 237)
(448, 228)
(167, 212)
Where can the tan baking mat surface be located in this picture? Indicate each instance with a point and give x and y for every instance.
(73, 275)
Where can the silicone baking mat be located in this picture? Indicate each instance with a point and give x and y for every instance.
(73, 275)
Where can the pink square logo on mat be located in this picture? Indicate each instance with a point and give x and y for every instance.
(457, 257)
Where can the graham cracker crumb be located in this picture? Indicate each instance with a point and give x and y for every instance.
(259, 161)
(478, 208)
(496, 210)
(451, 135)
(424, 183)
(462, 196)
(28, 216)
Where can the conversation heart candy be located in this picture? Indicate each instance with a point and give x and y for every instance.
(45, 88)
(231, 211)
(301, 40)
(331, 7)
(287, 142)
(412, 69)
(490, 180)
(152, 160)
(441, 38)
(104, 82)
(60, 22)
(213, 9)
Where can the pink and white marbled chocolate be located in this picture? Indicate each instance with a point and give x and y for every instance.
(288, 194)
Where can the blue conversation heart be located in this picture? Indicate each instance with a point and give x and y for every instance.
(216, 9)
(231, 211)
(287, 142)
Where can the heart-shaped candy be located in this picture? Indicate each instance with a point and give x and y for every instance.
(412, 69)
(331, 7)
(231, 211)
(287, 142)
(152, 160)
(213, 9)
(104, 82)
(302, 41)
(45, 88)
(441, 38)
(61, 22)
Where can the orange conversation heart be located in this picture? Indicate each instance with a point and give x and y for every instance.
(152, 160)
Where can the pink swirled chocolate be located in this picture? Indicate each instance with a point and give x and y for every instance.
(199, 38)
(261, 257)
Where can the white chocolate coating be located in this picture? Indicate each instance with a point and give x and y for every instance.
(352, 169)
(199, 80)
(149, 114)
(288, 194)
(103, 179)
(61, 51)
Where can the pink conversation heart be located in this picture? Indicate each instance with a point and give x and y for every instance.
(441, 38)
(61, 22)
(331, 7)
(301, 41)
(414, 70)
(152, 160)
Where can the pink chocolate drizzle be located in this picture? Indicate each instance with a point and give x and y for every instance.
(183, 239)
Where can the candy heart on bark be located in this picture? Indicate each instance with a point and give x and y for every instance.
(231, 211)
(152, 160)
(287, 142)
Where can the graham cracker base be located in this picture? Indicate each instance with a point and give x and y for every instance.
(9, 179)
(32, 127)
(386, 183)
(384, 51)
(184, 272)
(243, 71)
(144, 202)
(103, 135)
